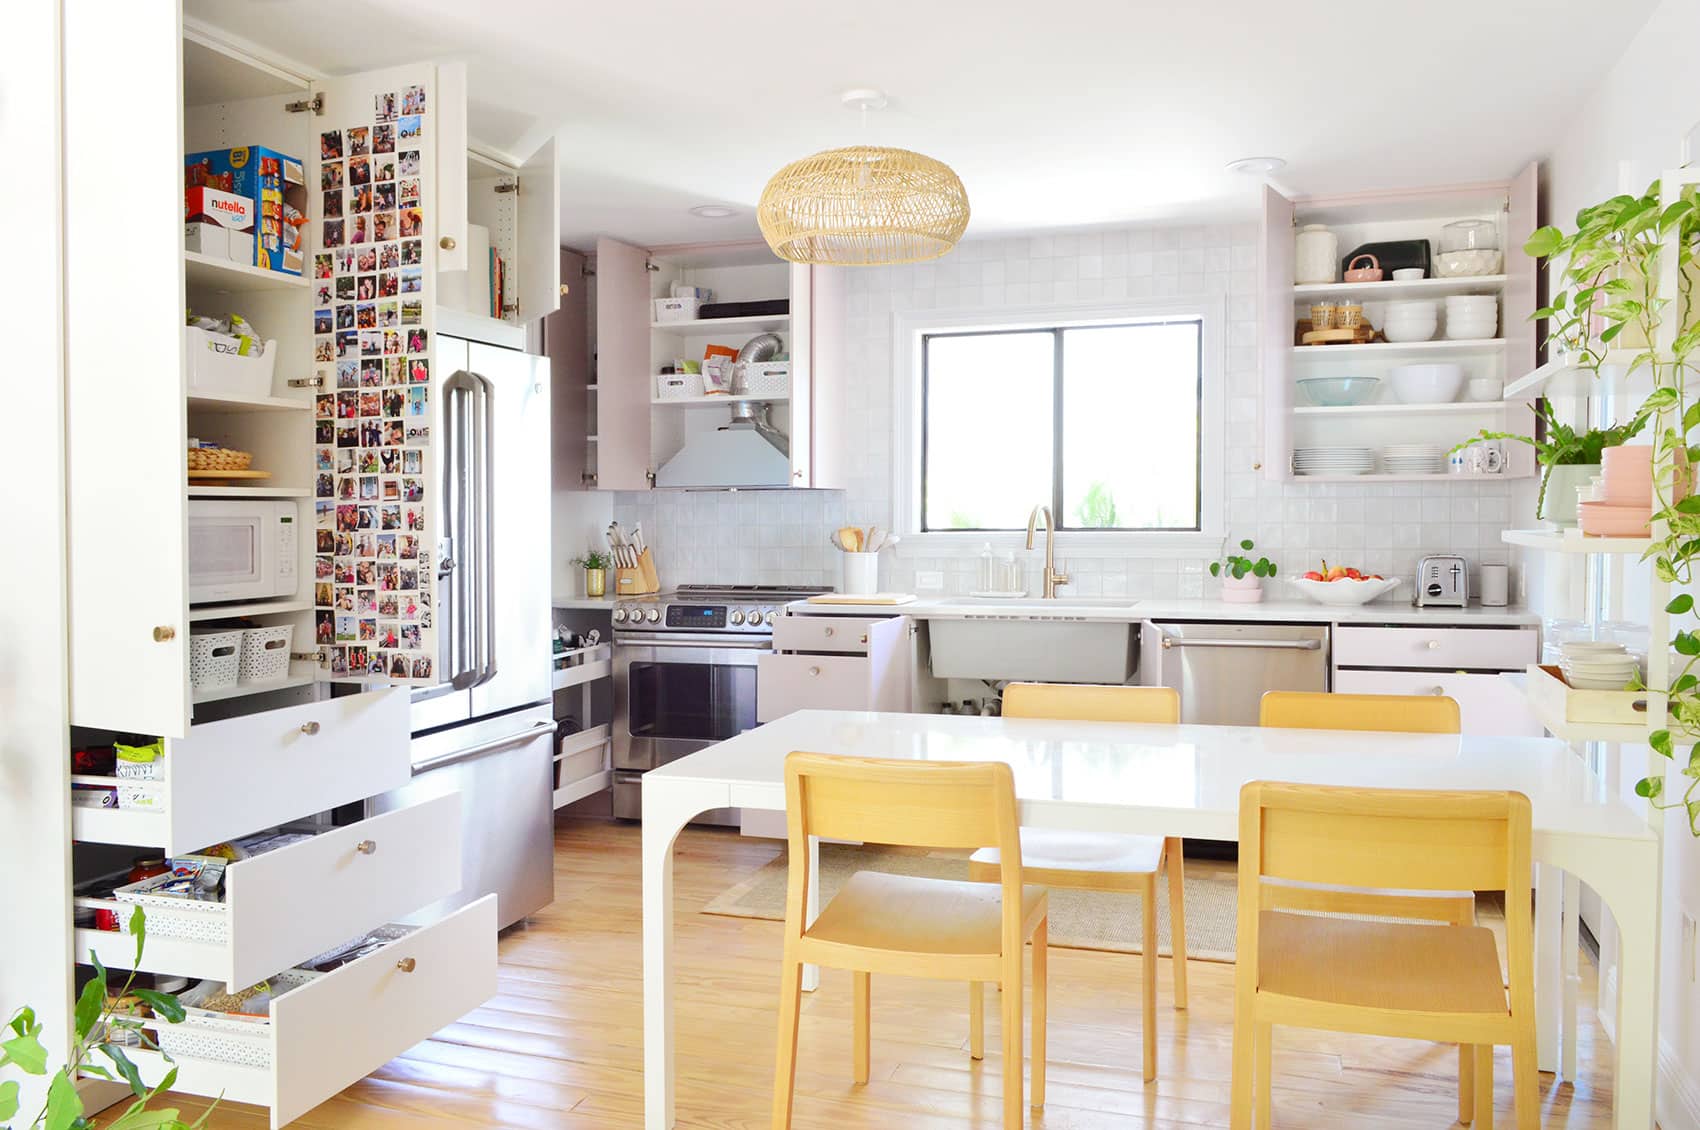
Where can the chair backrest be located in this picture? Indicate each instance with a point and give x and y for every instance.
(1408, 839)
(1086, 702)
(1406, 713)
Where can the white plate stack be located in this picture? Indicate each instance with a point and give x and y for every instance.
(1598, 666)
(1333, 461)
(1414, 459)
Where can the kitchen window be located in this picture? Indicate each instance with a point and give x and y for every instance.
(1112, 421)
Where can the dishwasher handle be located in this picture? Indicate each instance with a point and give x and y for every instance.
(1265, 645)
(533, 731)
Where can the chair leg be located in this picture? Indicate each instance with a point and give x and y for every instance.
(1525, 1080)
(860, 1038)
(785, 1059)
(1484, 1087)
(1176, 865)
(1466, 1083)
(1239, 1107)
(1041, 965)
(1011, 1033)
(1148, 969)
(976, 1020)
(1263, 1080)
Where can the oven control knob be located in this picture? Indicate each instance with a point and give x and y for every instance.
(769, 617)
(752, 616)
(652, 615)
(619, 615)
(735, 616)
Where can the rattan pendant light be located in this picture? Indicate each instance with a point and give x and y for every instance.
(864, 205)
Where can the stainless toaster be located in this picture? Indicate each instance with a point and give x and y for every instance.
(1443, 580)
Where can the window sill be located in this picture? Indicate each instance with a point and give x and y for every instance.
(1069, 543)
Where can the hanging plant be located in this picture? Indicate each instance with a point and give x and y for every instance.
(1609, 299)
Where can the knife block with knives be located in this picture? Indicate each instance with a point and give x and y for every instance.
(634, 569)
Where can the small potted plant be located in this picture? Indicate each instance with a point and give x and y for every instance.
(1242, 578)
(1568, 459)
(595, 566)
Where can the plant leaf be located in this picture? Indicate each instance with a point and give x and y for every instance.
(1543, 243)
(1659, 740)
(27, 1052)
(64, 1105)
(8, 1099)
(164, 1005)
(146, 1119)
(90, 1002)
(1680, 603)
(139, 931)
(1650, 787)
(1245, 543)
(132, 1075)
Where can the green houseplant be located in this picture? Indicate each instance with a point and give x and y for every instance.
(1242, 578)
(101, 1026)
(1560, 445)
(595, 566)
(1610, 299)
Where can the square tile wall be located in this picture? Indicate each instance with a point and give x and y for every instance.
(776, 537)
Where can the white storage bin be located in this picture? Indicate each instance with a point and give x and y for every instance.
(214, 660)
(224, 1036)
(265, 653)
(767, 378)
(677, 309)
(216, 369)
(171, 916)
(678, 386)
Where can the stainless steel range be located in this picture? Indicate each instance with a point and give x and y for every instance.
(685, 675)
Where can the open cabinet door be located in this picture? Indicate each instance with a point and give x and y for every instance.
(374, 210)
(802, 376)
(623, 379)
(125, 415)
(1277, 334)
(539, 267)
(1522, 272)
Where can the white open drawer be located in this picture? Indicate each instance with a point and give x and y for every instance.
(230, 777)
(287, 905)
(849, 635)
(1480, 649)
(339, 1028)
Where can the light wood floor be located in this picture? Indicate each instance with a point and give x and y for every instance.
(561, 1045)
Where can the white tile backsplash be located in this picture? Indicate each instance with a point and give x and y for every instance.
(780, 537)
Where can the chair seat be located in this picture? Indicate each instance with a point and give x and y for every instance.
(915, 915)
(1384, 965)
(1300, 884)
(1043, 850)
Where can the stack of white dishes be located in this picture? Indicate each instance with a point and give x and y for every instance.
(1414, 459)
(1596, 665)
(1333, 461)
(1413, 320)
(1471, 317)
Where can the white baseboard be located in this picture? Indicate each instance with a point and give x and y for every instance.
(1677, 1105)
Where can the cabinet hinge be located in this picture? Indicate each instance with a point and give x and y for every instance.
(307, 656)
(650, 477)
(306, 382)
(511, 308)
(316, 104)
(513, 188)
(587, 478)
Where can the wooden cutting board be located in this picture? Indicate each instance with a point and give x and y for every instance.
(863, 598)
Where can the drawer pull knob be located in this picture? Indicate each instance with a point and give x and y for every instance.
(366, 847)
(309, 728)
(406, 965)
(447, 243)
(164, 633)
(814, 671)
(864, 639)
(828, 633)
(1438, 691)
(1434, 645)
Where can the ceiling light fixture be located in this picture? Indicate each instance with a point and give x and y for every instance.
(863, 205)
(1257, 166)
(713, 211)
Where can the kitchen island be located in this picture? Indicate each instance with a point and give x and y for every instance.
(1175, 781)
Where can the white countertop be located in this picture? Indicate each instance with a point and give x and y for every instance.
(602, 602)
(1112, 609)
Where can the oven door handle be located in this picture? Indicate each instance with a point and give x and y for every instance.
(682, 639)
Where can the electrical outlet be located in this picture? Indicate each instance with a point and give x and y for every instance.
(1688, 943)
(929, 579)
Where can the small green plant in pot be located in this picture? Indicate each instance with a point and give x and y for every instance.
(1568, 458)
(595, 566)
(1242, 578)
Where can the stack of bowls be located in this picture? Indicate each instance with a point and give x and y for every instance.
(1414, 459)
(1414, 320)
(1471, 317)
(1625, 505)
(1598, 666)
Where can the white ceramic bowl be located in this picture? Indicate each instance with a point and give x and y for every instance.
(1344, 592)
(1410, 329)
(1485, 388)
(1470, 331)
(1408, 274)
(1427, 384)
(1408, 306)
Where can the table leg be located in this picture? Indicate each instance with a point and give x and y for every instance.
(1638, 1007)
(663, 816)
(1549, 968)
(811, 973)
(1571, 950)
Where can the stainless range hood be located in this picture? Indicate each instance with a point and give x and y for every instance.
(747, 451)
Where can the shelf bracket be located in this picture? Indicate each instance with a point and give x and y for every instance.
(316, 104)
(513, 188)
(307, 382)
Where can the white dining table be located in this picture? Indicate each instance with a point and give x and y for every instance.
(1175, 781)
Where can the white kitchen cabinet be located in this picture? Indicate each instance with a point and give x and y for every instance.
(833, 663)
(1460, 662)
(1487, 704)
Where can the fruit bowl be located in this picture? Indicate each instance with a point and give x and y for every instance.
(1345, 591)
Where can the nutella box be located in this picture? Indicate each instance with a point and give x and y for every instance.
(275, 186)
(217, 224)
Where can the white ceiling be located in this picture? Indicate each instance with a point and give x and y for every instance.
(1075, 113)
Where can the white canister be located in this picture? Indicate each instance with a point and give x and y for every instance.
(861, 573)
(1495, 581)
(1316, 255)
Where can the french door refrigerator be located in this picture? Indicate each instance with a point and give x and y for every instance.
(486, 730)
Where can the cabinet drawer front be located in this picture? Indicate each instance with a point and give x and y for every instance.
(787, 683)
(1504, 649)
(346, 1024)
(287, 905)
(1488, 705)
(230, 777)
(845, 634)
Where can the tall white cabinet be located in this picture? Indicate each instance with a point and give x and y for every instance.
(248, 759)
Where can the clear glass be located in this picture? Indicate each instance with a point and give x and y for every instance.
(987, 456)
(1470, 235)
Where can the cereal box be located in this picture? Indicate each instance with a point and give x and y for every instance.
(276, 183)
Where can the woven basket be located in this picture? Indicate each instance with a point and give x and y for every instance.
(214, 660)
(265, 653)
(863, 205)
(219, 459)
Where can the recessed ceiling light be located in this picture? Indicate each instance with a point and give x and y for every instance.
(1257, 166)
(713, 211)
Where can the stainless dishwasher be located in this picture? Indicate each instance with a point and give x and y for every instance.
(1222, 669)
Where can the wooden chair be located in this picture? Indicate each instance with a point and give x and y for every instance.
(903, 925)
(1095, 862)
(1425, 982)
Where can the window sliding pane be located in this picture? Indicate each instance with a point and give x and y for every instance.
(1130, 426)
(988, 412)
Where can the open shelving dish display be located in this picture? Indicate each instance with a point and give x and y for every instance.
(1392, 288)
(1396, 408)
(1574, 541)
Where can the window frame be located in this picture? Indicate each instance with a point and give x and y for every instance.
(911, 328)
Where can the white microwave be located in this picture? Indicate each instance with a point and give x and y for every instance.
(241, 549)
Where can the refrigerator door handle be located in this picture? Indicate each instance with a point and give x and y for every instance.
(486, 498)
(530, 733)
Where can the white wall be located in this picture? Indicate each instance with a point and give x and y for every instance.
(1625, 134)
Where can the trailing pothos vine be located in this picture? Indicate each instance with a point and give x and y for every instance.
(1609, 299)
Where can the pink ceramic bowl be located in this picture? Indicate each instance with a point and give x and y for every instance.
(1606, 519)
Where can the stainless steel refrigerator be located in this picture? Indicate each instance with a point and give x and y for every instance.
(487, 730)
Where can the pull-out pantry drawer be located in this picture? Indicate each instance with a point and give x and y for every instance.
(788, 683)
(340, 1027)
(847, 635)
(230, 777)
(1480, 649)
(1488, 705)
(286, 905)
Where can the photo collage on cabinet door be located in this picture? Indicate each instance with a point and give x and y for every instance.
(373, 590)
